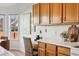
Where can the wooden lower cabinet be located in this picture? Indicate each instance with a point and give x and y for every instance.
(41, 52)
(41, 45)
(46, 49)
(63, 51)
(50, 50)
(59, 54)
(41, 49)
(50, 53)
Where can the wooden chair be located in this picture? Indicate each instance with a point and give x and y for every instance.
(29, 51)
(5, 44)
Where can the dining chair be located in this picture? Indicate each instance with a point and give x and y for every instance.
(29, 51)
(5, 44)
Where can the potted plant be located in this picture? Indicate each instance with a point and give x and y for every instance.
(64, 35)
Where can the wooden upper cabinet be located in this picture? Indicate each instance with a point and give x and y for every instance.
(55, 13)
(70, 13)
(44, 13)
(35, 13)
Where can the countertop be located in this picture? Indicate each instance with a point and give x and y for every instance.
(65, 44)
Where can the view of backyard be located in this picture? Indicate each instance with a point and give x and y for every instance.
(1, 25)
(14, 26)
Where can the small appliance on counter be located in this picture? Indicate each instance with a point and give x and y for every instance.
(73, 33)
(37, 38)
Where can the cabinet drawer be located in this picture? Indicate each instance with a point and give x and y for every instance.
(59, 54)
(41, 45)
(51, 47)
(50, 53)
(41, 52)
(63, 50)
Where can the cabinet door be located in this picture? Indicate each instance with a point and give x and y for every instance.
(51, 47)
(41, 45)
(50, 53)
(56, 13)
(36, 13)
(44, 13)
(70, 13)
(50, 50)
(63, 50)
(41, 49)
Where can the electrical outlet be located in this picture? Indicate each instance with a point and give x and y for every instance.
(45, 30)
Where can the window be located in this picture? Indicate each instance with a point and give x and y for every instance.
(1, 25)
(14, 26)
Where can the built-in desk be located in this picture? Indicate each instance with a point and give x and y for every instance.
(52, 49)
(35, 45)
(49, 48)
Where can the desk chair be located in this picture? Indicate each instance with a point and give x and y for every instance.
(29, 51)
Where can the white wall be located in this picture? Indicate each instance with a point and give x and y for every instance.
(53, 32)
(24, 29)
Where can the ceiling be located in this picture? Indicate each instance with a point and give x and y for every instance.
(6, 4)
(14, 7)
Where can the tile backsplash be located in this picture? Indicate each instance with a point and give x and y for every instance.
(51, 33)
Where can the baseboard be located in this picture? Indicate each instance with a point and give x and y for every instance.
(17, 50)
(13, 49)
